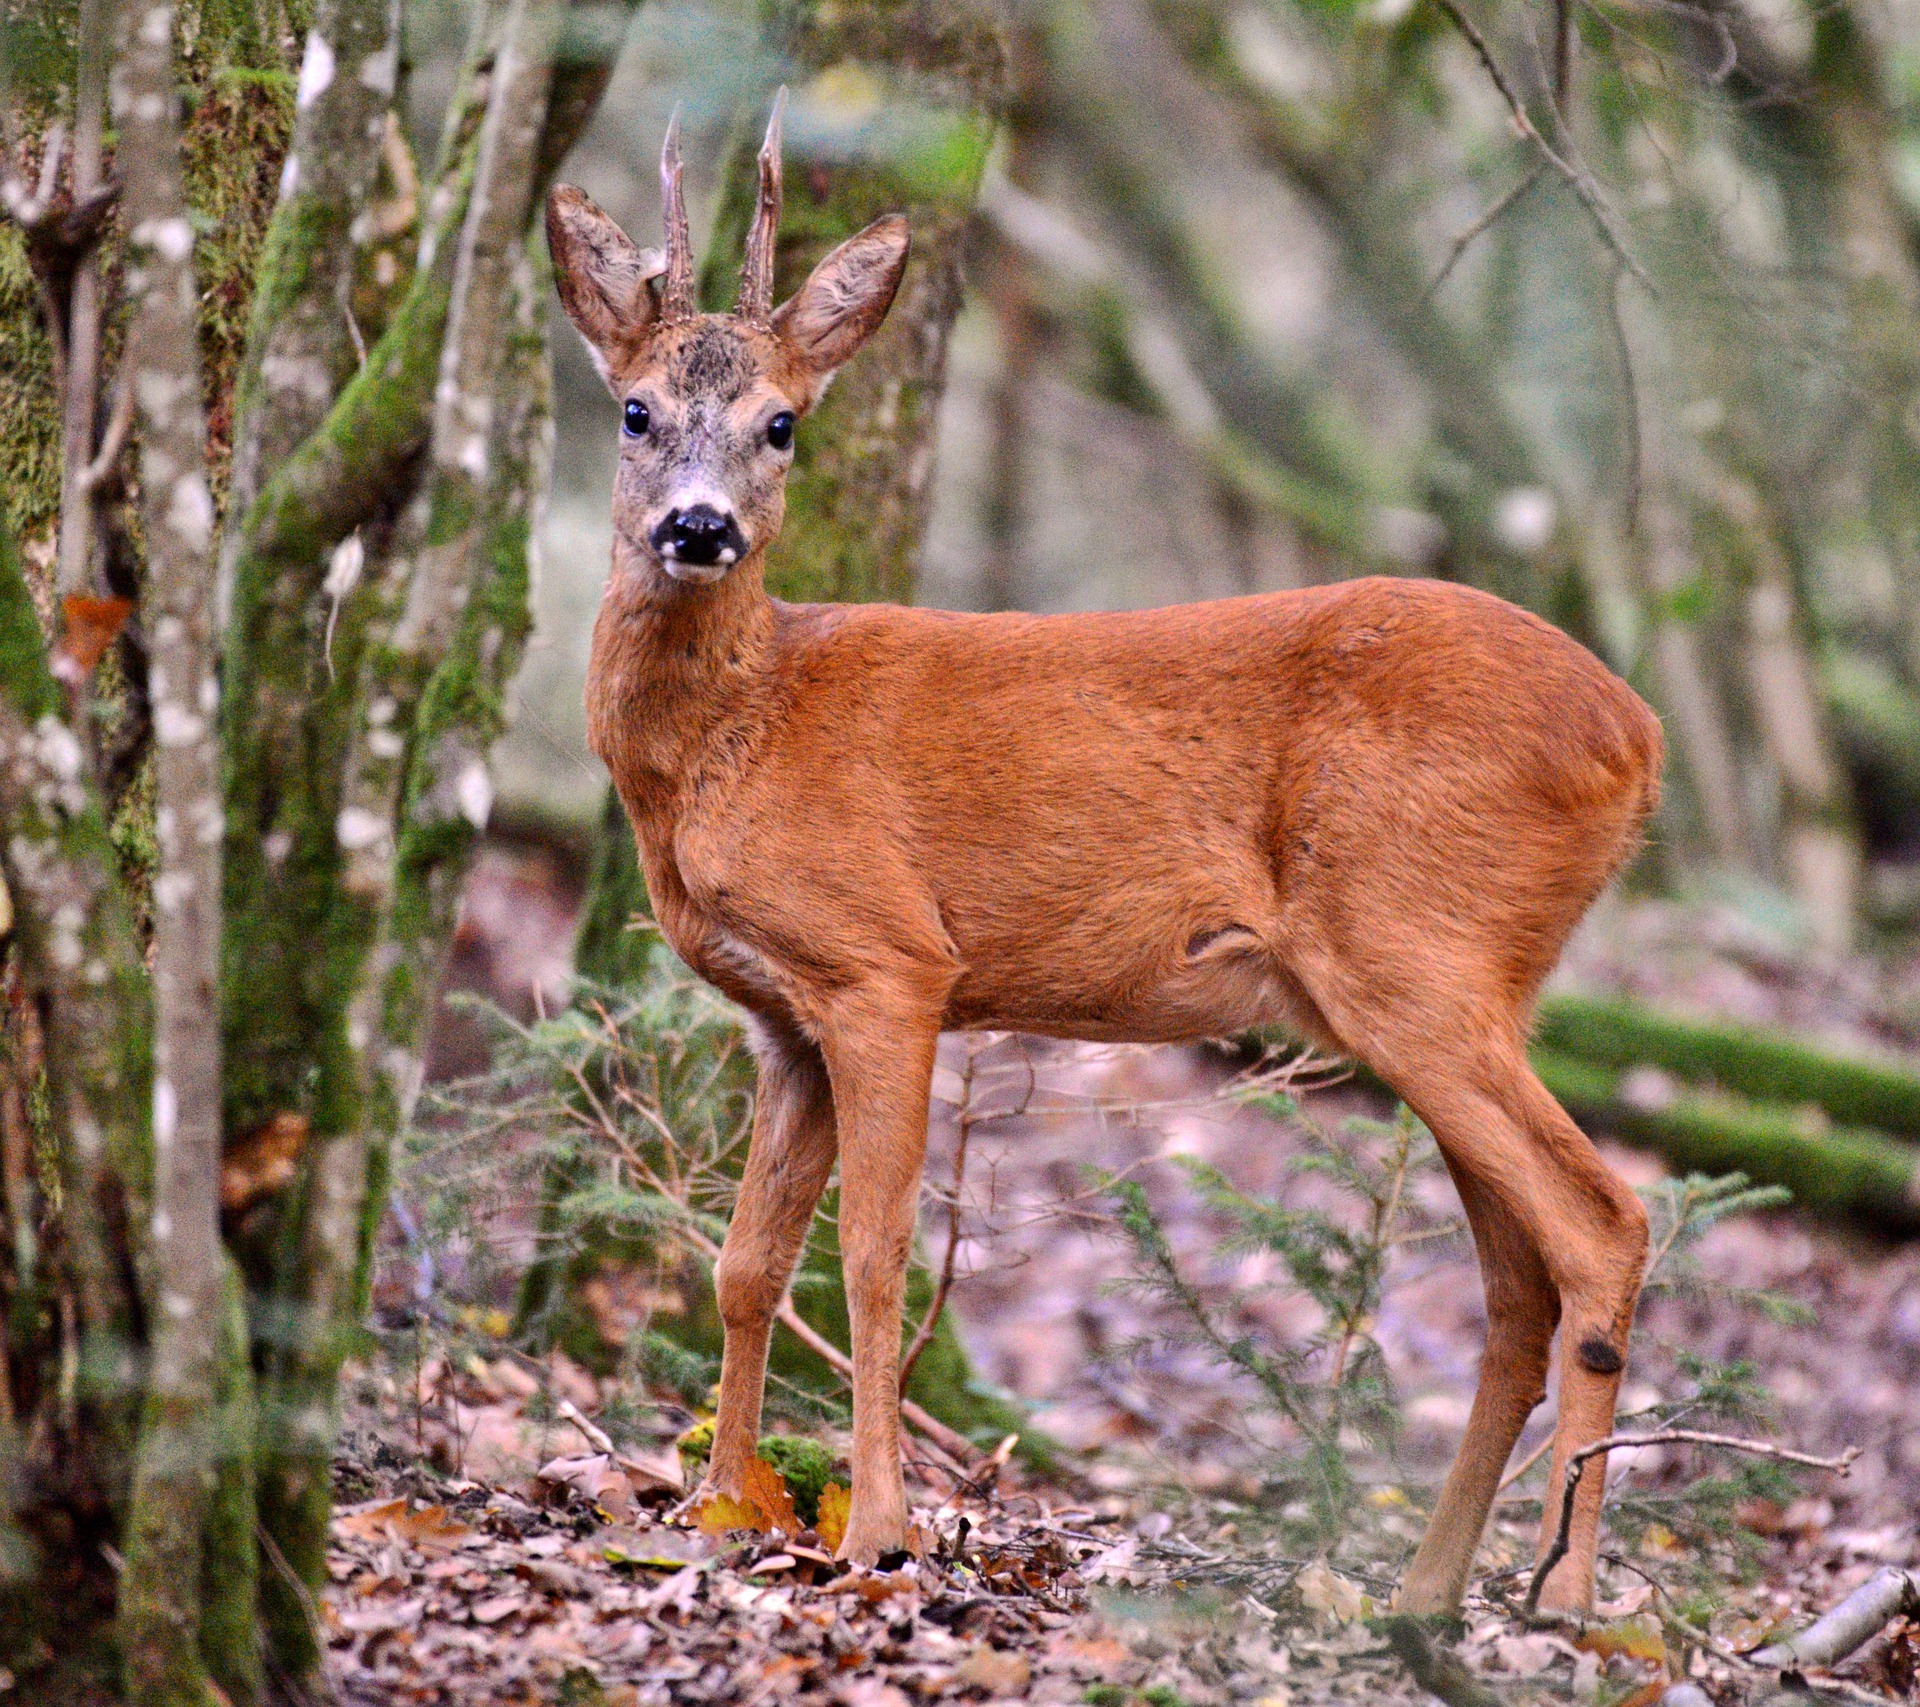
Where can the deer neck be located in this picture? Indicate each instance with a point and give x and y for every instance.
(679, 677)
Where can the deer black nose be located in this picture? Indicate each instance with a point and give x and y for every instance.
(700, 534)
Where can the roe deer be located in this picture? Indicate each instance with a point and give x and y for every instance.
(1371, 813)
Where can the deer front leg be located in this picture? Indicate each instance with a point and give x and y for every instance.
(881, 1063)
(787, 1167)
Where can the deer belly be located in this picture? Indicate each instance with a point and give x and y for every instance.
(1220, 979)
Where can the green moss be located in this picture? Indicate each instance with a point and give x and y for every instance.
(1846, 1173)
(24, 677)
(229, 1593)
(29, 405)
(807, 1467)
(1756, 1062)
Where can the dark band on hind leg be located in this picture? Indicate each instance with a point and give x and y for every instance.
(1600, 1357)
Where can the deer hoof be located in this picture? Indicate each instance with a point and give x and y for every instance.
(867, 1543)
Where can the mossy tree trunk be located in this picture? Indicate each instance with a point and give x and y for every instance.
(858, 495)
(375, 571)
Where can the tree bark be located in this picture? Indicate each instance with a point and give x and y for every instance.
(182, 1279)
(375, 634)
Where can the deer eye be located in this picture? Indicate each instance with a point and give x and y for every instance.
(780, 430)
(637, 417)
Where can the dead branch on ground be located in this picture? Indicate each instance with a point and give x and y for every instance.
(1577, 1465)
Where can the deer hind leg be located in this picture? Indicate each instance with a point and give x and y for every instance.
(1533, 1182)
(1522, 1310)
(1501, 1131)
(880, 1057)
(1597, 1255)
(787, 1167)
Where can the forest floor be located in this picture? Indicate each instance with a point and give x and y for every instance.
(486, 1549)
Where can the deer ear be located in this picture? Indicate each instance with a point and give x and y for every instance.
(603, 278)
(844, 299)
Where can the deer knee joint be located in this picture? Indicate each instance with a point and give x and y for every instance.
(744, 1291)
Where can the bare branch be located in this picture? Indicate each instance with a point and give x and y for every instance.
(114, 440)
(29, 208)
(930, 1322)
(1576, 175)
(1630, 408)
(1485, 223)
(1577, 1465)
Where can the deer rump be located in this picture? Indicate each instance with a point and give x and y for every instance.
(1159, 825)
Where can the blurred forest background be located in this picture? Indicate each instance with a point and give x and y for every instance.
(1611, 307)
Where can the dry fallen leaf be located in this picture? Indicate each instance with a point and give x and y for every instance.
(836, 1503)
(654, 1469)
(1636, 1638)
(721, 1513)
(1330, 1594)
(92, 625)
(994, 1670)
(429, 1528)
(369, 1522)
(766, 1488)
(500, 1606)
(263, 1162)
(764, 1505)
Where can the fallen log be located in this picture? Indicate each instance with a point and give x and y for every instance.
(1611, 1031)
(1846, 1173)
(1883, 1597)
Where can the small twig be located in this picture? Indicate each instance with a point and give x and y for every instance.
(28, 208)
(1636, 454)
(1484, 224)
(1576, 176)
(114, 439)
(294, 1585)
(1526, 1464)
(1577, 1465)
(597, 1437)
(950, 1441)
(923, 1335)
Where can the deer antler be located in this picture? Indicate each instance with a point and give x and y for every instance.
(676, 289)
(756, 272)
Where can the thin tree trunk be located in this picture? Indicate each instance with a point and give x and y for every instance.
(81, 964)
(1819, 841)
(1703, 738)
(183, 1271)
(375, 632)
(81, 400)
(301, 339)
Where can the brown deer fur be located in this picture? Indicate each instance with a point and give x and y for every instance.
(1370, 812)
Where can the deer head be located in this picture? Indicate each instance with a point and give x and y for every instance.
(709, 402)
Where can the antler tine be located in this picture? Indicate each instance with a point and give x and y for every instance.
(676, 289)
(756, 272)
